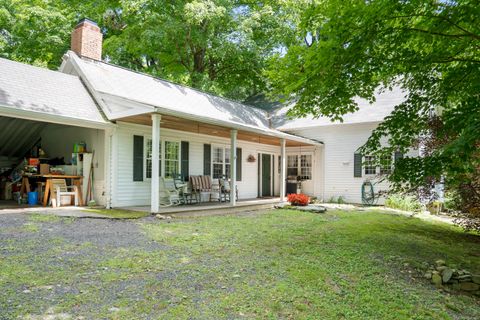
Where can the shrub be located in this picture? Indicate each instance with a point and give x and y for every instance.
(403, 202)
(298, 199)
(339, 200)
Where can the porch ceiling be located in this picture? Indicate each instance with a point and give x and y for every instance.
(176, 123)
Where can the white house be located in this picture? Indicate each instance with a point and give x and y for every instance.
(148, 127)
(341, 173)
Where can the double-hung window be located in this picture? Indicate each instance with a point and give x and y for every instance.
(169, 154)
(386, 164)
(300, 166)
(292, 165)
(306, 167)
(370, 165)
(220, 162)
(172, 159)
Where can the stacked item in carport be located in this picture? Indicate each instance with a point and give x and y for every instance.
(9, 183)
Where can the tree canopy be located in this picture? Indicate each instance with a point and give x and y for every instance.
(428, 48)
(220, 46)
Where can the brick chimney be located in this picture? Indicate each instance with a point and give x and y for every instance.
(87, 40)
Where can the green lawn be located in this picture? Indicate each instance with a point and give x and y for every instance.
(278, 265)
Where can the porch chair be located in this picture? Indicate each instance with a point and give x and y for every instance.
(184, 189)
(59, 189)
(201, 184)
(225, 190)
(169, 195)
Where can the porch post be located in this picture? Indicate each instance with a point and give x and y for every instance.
(155, 188)
(283, 169)
(233, 166)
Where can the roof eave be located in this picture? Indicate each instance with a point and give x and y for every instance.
(230, 124)
(9, 111)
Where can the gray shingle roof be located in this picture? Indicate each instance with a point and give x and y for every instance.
(376, 112)
(27, 88)
(135, 86)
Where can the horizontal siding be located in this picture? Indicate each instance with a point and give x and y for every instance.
(340, 144)
(136, 193)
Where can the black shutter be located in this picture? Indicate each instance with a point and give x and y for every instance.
(207, 159)
(398, 155)
(239, 164)
(137, 158)
(357, 165)
(184, 156)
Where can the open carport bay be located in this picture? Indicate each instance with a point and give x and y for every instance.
(24, 142)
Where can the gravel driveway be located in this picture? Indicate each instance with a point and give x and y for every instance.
(64, 257)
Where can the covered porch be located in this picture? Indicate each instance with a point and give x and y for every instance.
(253, 160)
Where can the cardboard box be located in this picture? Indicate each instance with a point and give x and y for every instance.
(44, 168)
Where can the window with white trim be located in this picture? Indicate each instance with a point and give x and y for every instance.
(220, 162)
(172, 159)
(306, 167)
(169, 151)
(300, 166)
(292, 165)
(386, 164)
(370, 165)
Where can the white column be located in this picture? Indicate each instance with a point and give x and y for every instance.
(108, 174)
(233, 166)
(283, 169)
(155, 189)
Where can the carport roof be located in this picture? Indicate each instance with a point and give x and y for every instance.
(40, 94)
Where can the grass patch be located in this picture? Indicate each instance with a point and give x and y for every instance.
(37, 217)
(282, 264)
(30, 227)
(120, 214)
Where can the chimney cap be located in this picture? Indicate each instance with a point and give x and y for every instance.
(83, 20)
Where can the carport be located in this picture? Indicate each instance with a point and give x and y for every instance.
(49, 126)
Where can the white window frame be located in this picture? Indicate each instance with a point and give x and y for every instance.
(386, 169)
(299, 163)
(146, 139)
(224, 157)
(378, 166)
(290, 167)
(301, 167)
(164, 159)
(369, 164)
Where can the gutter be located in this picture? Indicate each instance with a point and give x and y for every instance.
(71, 56)
(233, 125)
(9, 111)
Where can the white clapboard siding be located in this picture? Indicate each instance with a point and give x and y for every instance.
(340, 144)
(127, 192)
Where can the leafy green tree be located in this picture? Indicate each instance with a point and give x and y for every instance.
(38, 31)
(219, 46)
(431, 49)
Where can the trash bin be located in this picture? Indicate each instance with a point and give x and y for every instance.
(32, 198)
